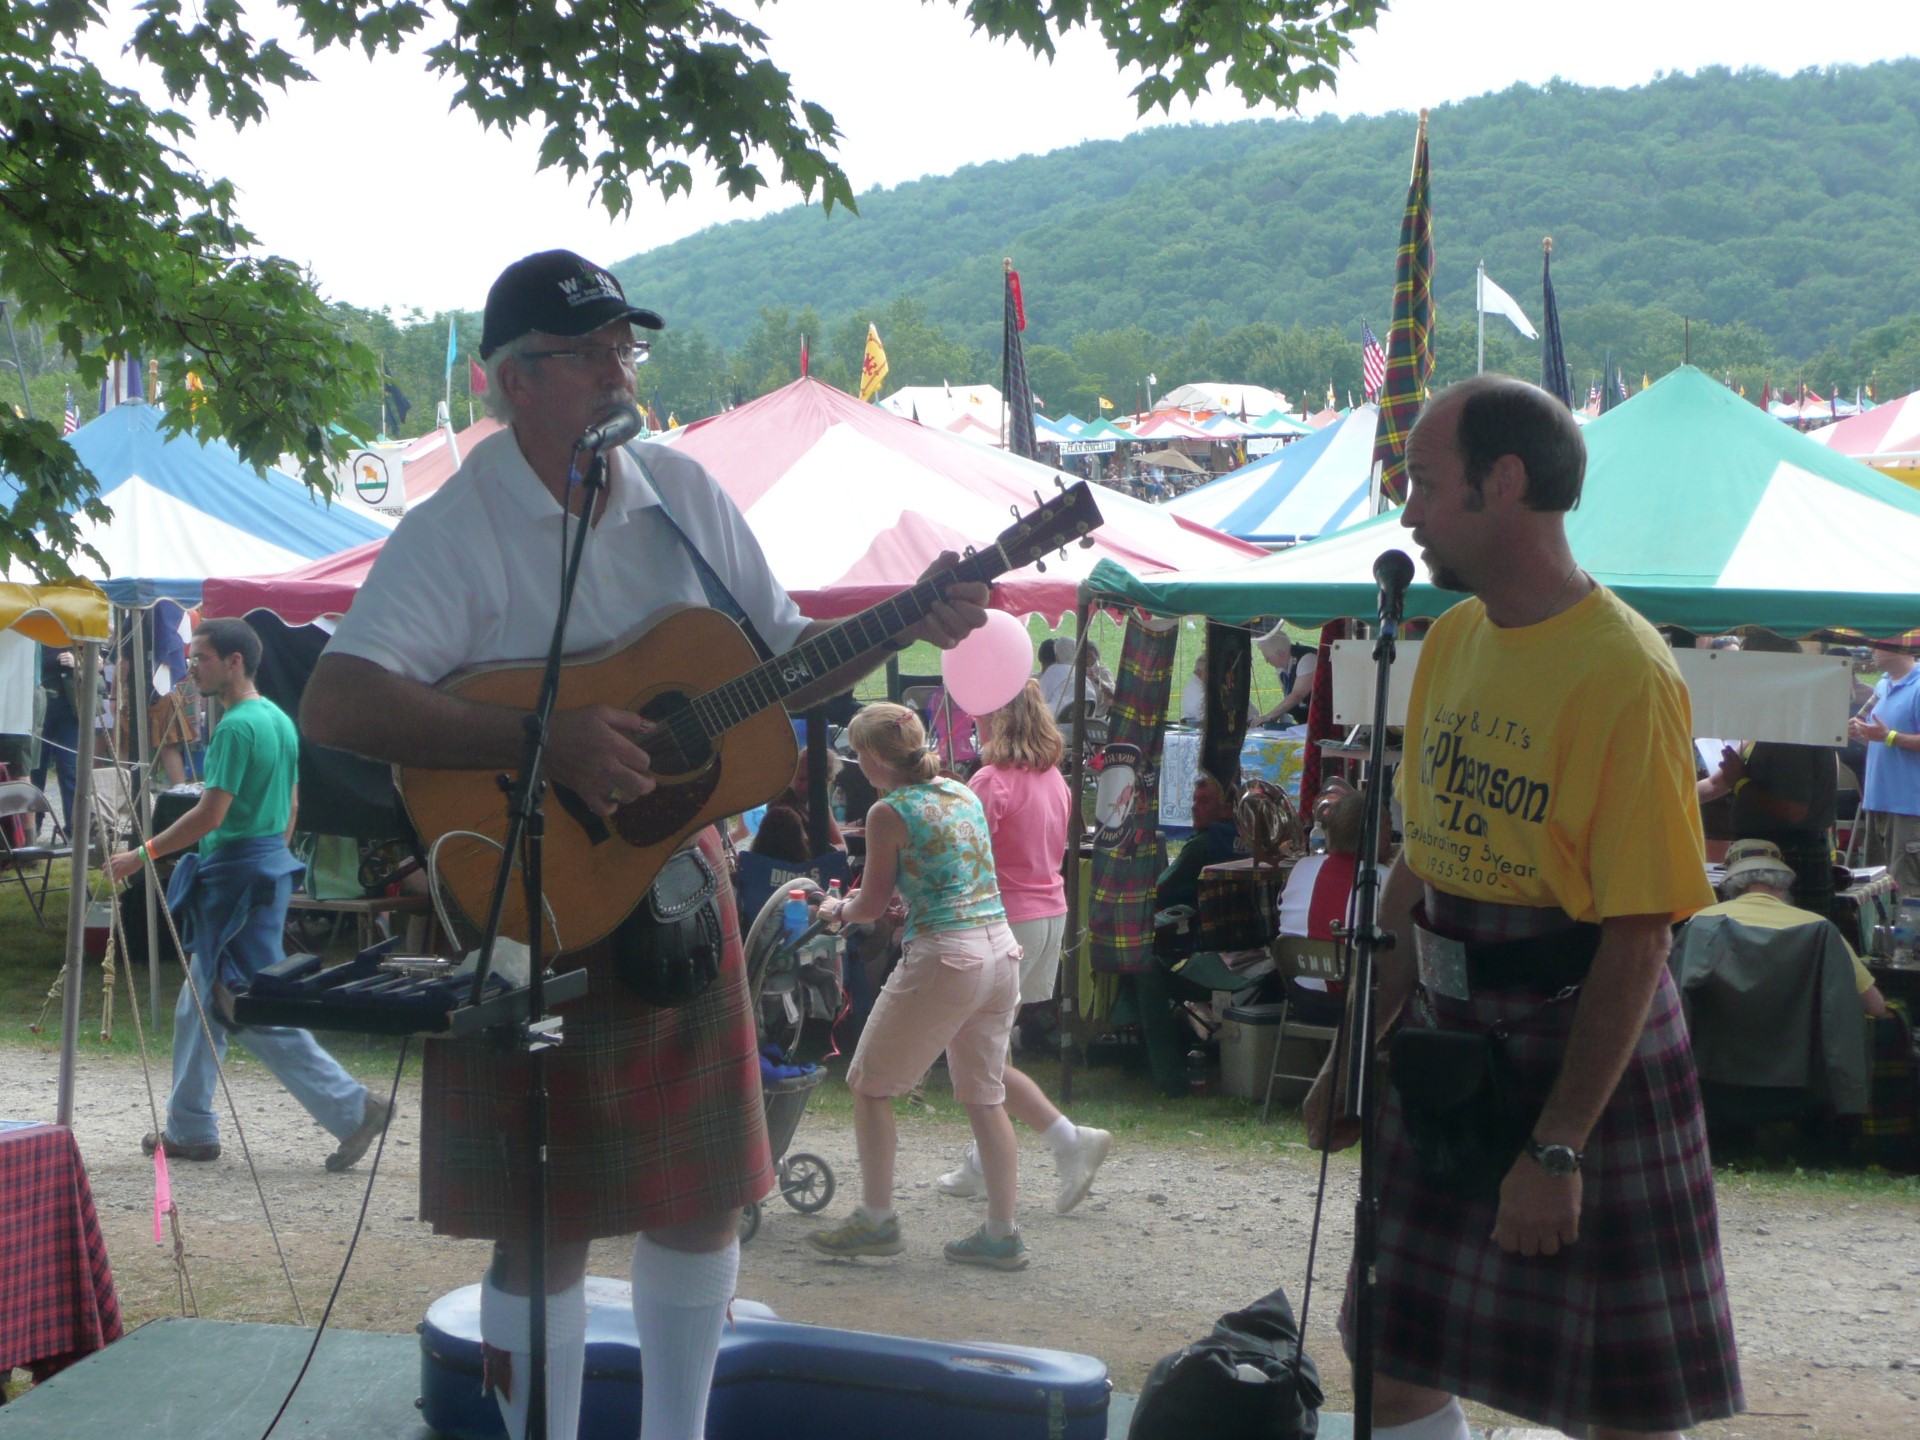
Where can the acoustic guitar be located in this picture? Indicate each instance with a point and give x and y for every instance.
(721, 745)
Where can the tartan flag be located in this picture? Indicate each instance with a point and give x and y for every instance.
(1553, 354)
(873, 368)
(1013, 373)
(1373, 362)
(70, 422)
(1410, 336)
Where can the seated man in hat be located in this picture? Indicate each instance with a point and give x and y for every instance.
(1755, 893)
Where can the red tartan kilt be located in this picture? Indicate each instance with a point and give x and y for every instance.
(655, 1116)
(1629, 1327)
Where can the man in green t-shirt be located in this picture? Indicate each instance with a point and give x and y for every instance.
(230, 897)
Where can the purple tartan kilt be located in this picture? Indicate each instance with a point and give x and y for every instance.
(655, 1115)
(1628, 1327)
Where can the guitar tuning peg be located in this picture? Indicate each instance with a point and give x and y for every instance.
(1063, 554)
(1086, 542)
(1014, 510)
(1037, 500)
(1041, 566)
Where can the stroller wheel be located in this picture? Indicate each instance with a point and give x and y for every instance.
(806, 1182)
(749, 1221)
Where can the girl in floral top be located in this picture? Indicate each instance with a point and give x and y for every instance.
(955, 989)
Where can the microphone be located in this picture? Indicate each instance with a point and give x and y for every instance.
(1392, 572)
(618, 428)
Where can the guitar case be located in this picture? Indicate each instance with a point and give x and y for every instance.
(797, 1382)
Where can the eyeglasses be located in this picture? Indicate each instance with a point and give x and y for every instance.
(629, 355)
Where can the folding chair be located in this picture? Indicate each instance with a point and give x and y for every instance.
(20, 797)
(1294, 959)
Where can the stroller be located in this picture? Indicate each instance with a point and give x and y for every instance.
(789, 978)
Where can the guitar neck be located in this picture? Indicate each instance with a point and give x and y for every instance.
(775, 681)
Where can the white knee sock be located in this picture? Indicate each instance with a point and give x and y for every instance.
(1449, 1422)
(506, 1323)
(679, 1305)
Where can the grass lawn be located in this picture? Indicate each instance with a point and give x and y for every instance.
(1212, 1125)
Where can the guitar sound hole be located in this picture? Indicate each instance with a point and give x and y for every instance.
(679, 747)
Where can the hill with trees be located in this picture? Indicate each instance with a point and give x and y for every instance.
(1760, 225)
(1776, 213)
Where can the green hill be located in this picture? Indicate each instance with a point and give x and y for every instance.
(1781, 210)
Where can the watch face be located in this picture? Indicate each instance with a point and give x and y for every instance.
(1556, 1159)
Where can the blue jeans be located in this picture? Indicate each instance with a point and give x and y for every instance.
(244, 923)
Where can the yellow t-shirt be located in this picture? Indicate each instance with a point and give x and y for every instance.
(1552, 764)
(1765, 912)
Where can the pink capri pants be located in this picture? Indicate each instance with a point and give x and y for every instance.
(957, 991)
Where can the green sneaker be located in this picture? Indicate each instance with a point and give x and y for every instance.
(980, 1248)
(856, 1235)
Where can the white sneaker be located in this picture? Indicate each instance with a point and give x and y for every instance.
(967, 1183)
(1076, 1167)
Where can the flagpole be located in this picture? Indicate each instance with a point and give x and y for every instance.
(1480, 316)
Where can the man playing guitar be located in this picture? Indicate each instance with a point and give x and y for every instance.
(657, 1124)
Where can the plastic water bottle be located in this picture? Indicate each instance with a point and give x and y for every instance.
(794, 918)
(1906, 930)
(1317, 839)
(1196, 1071)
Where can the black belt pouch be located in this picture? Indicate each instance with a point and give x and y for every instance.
(668, 951)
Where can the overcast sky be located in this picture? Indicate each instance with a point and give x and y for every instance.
(392, 201)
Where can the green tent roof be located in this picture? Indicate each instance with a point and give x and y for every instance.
(1698, 510)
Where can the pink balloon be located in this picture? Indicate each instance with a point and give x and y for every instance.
(987, 669)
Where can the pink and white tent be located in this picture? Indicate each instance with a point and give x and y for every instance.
(851, 504)
(1886, 437)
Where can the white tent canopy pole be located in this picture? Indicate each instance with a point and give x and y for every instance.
(80, 837)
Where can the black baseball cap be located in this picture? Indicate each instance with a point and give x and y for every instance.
(557, 293)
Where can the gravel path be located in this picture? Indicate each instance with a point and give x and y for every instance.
(1827, 1302)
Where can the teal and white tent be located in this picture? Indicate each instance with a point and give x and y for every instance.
(1312, 487)
(1698, 510)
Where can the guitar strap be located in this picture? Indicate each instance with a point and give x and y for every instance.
(719, 596)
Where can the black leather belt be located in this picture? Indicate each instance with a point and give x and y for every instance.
(1461, 969)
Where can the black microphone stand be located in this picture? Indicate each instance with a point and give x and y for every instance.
(538, 1032)
(1364, 939)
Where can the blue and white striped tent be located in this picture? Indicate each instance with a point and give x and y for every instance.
(183, 511)
(1311, 487)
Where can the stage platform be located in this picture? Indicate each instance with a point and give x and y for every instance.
(215, 1380)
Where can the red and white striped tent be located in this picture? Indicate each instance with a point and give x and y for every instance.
(851, 504)
(1886, 437)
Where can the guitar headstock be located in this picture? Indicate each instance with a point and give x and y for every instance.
(1069, 516)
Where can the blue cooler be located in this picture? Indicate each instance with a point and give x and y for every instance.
(793, 1382)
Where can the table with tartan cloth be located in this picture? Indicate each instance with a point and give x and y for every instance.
(1240, 904)
(60, 1305)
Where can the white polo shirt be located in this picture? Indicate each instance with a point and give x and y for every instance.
(473, 574)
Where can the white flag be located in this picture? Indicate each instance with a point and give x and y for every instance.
(1495, 301)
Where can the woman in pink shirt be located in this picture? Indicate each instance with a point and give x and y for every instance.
(1030, 816)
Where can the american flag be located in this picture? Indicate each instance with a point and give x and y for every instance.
(71, 422)
(1373, 362)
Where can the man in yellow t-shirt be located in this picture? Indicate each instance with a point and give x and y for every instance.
(1551, 840)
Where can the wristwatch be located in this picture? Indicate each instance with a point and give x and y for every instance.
(1554, 1159)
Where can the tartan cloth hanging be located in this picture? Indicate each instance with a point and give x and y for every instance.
(1128, 853)
(1319, 717)
(1410, 337)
